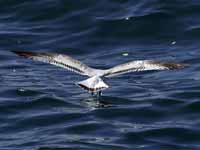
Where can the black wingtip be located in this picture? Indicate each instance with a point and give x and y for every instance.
(173, 66)
(24, 54)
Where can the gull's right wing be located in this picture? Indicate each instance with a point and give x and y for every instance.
(60, 60)
(141, 65)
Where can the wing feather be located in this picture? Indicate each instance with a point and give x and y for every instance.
(141, 65)
(60, 60)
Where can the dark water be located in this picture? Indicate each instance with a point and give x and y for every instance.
(42, 109)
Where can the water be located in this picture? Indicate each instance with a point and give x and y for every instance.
(42, 109)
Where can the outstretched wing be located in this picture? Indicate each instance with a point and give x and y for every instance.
(141, 65)
(60, 60)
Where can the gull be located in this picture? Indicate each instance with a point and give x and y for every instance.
(94, 84)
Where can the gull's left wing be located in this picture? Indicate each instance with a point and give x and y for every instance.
(60, 60)
(141, 65)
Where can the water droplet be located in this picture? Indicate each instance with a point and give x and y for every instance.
(21, 90)
(127, 18)
(125, 54)
(173, 43)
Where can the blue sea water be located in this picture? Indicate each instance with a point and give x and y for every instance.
(42, 109)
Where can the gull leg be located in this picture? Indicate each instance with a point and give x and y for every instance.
(99, 93)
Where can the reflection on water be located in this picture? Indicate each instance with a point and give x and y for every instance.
(96, 102)
(109, 101)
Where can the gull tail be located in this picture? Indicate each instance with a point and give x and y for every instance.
(93, 85)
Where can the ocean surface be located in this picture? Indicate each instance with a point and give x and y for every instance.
(41, 108)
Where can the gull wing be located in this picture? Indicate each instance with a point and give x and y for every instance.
(141, 65)
(60, 60)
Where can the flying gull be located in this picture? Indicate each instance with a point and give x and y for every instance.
(94, 84)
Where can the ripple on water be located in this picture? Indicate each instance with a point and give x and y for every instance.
(41, 109)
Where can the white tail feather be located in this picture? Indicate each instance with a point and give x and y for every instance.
(93, 84)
